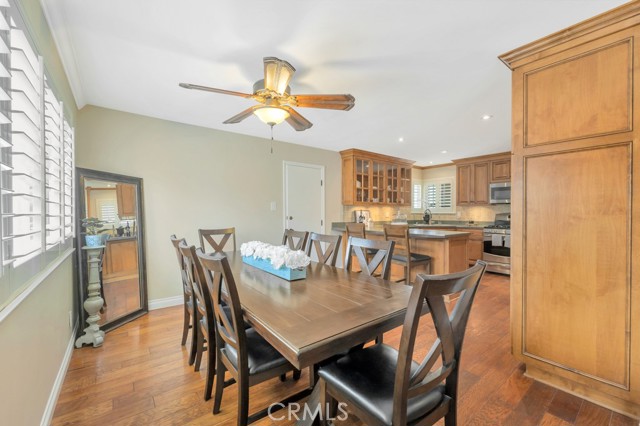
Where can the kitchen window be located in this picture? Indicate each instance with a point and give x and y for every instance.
(438, 195)
(36, 164)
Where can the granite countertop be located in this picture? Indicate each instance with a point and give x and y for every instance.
(133, 237)
(413, 232)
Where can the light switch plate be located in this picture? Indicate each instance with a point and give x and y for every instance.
(273, 206)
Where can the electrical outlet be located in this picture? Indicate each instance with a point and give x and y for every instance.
(71, 319)
(273, 206)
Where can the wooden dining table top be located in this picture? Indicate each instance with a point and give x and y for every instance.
(312, 319)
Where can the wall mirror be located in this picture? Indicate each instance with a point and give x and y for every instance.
(116, 201)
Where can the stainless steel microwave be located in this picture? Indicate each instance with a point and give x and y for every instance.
(500, 193)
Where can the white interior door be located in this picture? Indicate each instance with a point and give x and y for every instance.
(304, 197)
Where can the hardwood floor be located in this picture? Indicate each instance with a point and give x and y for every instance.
(140, 376)
(122, 296)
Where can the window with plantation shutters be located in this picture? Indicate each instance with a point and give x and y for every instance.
(416, 197)
(438, 195)
(36, 165)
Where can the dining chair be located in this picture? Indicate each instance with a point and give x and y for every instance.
(385, 386)
(217, 238)
(296, 240)
(243, 352)
(204, 313)
(187, 292)
(359, 247)
(329, 255)
(403, 254)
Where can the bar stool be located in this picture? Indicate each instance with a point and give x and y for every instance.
(403, 255)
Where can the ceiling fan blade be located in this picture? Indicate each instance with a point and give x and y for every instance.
(214, 90)
(244, 114)
(340, 102)
(297, 121)
(277, 74)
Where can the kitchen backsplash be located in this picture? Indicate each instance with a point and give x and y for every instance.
(473, 213)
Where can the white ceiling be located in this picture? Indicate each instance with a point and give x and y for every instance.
(423, 70)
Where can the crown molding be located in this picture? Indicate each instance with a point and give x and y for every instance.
(531, 51)
(54, 12)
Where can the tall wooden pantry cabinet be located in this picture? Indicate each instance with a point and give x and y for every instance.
(575, 302)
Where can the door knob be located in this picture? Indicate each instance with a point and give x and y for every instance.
(290, 218)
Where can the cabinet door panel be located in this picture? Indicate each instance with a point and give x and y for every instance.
(481, 183)
(583, 96)
(463, 187)
(501, 170)
(577, 311)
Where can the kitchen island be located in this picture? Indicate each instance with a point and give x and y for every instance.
(448, 249)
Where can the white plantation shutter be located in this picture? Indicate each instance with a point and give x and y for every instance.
(67, 179)
(416, 197)
(53, 168)
(36, 163)
(23, 200)
(438, 195)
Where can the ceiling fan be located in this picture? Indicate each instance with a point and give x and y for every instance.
(275, 98)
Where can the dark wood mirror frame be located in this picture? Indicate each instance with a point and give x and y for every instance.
(81, 260)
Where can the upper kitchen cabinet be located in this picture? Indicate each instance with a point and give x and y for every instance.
(473, 176)
(126, 196)
(375, 179)
(575, 194)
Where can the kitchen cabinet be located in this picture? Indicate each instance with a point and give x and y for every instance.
(126, 197)
(120, 258)
(575, 279)
(472, 184)
(501, 170)
(473, 176)
(374, 179)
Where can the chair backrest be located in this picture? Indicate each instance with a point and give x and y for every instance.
(447, 346)
(193, 272)
(355, 229)
(186, 285)
(399, 234)
(359, 246)
(328, 256)
(230, 331)
(290, 236)
(209, 235)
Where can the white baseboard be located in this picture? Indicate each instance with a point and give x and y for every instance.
(57, 384)
(166, 302)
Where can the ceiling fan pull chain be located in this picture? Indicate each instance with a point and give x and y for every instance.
(272, 138)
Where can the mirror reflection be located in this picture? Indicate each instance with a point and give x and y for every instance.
(111, 202)
(114, 204)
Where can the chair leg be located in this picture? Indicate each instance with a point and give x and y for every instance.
(243, 400)
(199, 350)
(328, 405)
(220, 370)
(283, 377)
(211, 368)
(185, 327)
(194, 342)
(296, 374)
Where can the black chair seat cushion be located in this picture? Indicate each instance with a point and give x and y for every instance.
(261, 355)
(415, 257)
(367, 378)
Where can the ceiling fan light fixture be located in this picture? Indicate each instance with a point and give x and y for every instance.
(277, 74)
(271, 115)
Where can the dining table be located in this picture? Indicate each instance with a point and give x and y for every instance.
(323, 315)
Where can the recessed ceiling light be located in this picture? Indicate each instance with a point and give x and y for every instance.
(401, 139)
(487, 117)
(430, 162)
(444, 151)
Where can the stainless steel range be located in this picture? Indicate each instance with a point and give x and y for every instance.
(497, 244)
